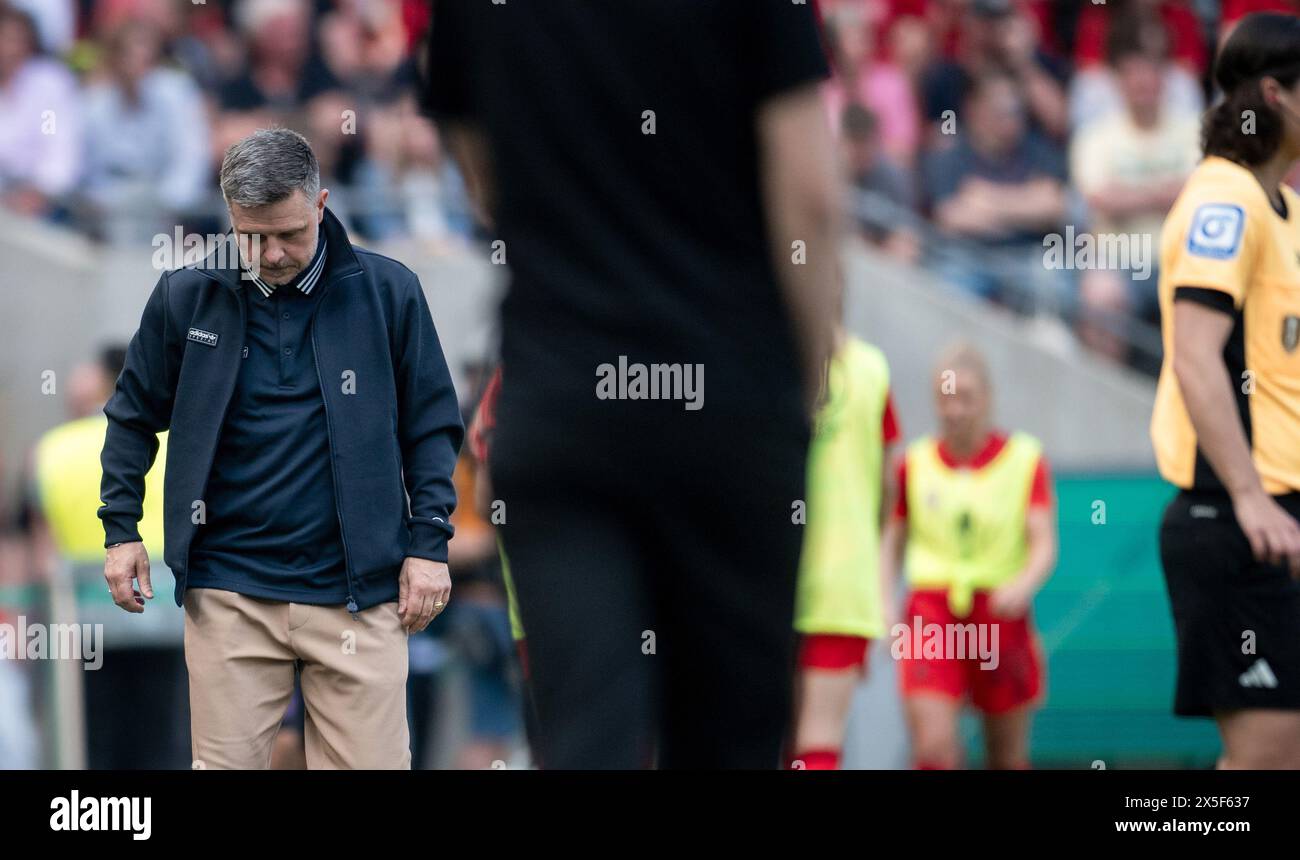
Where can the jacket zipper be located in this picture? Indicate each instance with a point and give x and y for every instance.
(225, 410)
(329, 436)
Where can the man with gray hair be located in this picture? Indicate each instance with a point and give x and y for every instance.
(314, 431)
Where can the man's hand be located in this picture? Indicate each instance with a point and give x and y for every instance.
(125, 562)
(423, 590)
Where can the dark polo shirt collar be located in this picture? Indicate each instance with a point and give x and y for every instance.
(305, 280)
(226, 266)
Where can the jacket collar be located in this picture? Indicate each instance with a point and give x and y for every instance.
(306, 279)
(223, 264)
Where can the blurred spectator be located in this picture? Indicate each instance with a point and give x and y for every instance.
(1054, 21)
(147, 158)
(1174, 17)
(941, 20)
(883, 203)
(1161, 28)
(187, 31)
(205, 46)
(285, 81)
(283, 70)
(997, 37)
(364, 44)
(996, 193)
(862, 76)
(405, 187)
(342, 72)
(107, 15)
(55, 20)
(1129, 167)
(40, 137)
(909, 44)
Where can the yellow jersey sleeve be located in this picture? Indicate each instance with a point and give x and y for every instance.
(1212, 239)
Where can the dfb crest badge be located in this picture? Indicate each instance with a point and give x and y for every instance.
(1290, 332)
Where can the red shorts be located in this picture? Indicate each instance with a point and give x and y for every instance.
(1008, 674)
(832, 651)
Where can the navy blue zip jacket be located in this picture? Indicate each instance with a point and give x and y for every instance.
(393, 441)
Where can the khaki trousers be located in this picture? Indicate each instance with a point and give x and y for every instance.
(241, 653)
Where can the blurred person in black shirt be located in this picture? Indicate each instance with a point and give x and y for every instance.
(659, 175)
(284, 69)
(997, 37)
(993, 196)
(284, 80)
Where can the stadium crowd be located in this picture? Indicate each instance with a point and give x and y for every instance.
(970, 128)
(973, 130)
(140, 98)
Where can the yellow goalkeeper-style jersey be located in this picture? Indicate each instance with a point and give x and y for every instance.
(1225, 245)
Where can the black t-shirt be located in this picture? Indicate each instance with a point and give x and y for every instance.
(243, 93)
(622, 242)
(946, 84)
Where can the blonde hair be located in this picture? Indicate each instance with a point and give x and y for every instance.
(965, 356)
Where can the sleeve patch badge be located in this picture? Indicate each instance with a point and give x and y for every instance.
(1290, 332)
(1216, 231)
(206, 338)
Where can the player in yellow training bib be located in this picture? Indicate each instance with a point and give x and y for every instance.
(975, 528)
(839, 607)
(1226, 424)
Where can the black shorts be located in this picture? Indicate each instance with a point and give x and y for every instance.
(1237, 620)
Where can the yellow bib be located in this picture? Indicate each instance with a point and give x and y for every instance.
(512, 602)
(966, 527)
(839, 570)
(68, 474)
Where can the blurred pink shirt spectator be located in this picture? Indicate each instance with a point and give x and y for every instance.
(40, 137)
(862, 77)
(888, 94)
